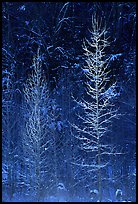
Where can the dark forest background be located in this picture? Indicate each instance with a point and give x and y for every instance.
(59, 29)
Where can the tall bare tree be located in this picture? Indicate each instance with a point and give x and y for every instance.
(99, 109)
(40, 125)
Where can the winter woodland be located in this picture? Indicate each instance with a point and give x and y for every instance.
(68, 101)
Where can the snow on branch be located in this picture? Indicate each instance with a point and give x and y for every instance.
(100, 111)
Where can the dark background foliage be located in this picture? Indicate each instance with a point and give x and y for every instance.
(59, 28)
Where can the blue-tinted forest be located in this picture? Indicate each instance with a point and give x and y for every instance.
(69, 101)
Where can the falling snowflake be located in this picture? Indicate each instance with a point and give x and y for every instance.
(26, 22)
(22, 8)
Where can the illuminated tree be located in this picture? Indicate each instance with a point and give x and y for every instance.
(99, 109)
(39, 134)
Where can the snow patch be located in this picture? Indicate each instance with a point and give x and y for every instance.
(22, 8)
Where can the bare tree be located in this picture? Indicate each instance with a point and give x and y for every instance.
(38, 137)
(99, 108)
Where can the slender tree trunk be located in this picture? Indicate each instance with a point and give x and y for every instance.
(99, 176)
(97, 127)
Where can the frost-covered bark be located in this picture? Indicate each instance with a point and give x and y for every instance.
(38, 137)
(99, 108)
